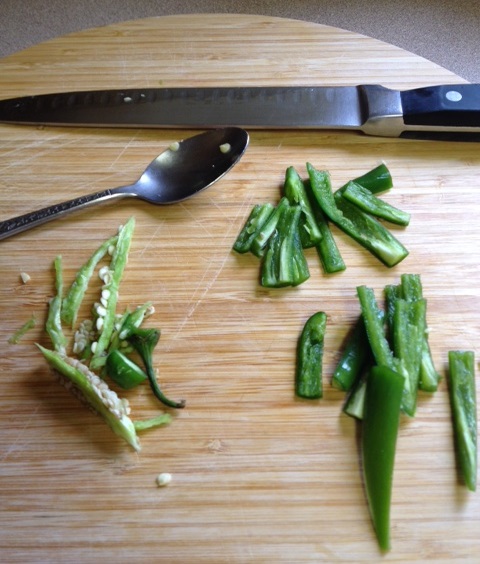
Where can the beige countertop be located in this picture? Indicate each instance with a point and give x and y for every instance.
(443, 31)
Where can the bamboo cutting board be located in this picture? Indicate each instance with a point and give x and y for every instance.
(258, 476)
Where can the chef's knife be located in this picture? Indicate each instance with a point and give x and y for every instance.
(373, 109)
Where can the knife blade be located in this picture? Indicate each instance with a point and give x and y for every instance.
(432, 111)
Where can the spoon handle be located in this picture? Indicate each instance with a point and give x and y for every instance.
(21, 223)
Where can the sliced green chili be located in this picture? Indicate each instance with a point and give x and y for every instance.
(261, 239)
(257, 218)
(356, 353)
(144, 341)
(129, 321)
(408, 338)
(376, 180)
(72, 301)
(300, 270)
(96, 392)
(117, 266)
(355, 404)
(143, 425)
(375, 328)
(369, 203)
(294, 190)
(392, 293)
(381, 418)
(21, 331)
(412, 290)
(123, 371)
(362, 227)
(464, 413)
(284, 263)
(53, 324)
(308, 378)
(327, 249)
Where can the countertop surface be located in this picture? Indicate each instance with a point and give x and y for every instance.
(443, 31)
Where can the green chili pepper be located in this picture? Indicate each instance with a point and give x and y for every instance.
(123, 371)
(375, 328)
(257, 218)
(53, 324)
(362, 227)
(411, 290)
(21, 331)
(355, 355)
(95, 391)
(308, 379)
(464, 412)
(376, 180)
(392, 292)
(262, 238)
(157, 421)
(408, 338)
(355, 404)
(294, 190)
(128, 322)
(72, 301)
(117, 266)
(144, 341)
(327, 248)
(284, 263)
(369, 203)
(381, 418)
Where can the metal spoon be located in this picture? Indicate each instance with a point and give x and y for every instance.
(181, 171)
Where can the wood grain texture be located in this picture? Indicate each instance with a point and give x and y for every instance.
(258, 476)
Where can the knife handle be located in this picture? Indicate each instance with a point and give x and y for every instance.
(448, 112)
(450, 105)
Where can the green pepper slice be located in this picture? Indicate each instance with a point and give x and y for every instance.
(308, 378)
(355, 354)
(361, 227)
(267, 229)
(294, 190)
(123, 371)
(255, 221)
(464, 410)
(381, 419)
(376, 180)
(368, 202)
(284, 263)
(144, 341)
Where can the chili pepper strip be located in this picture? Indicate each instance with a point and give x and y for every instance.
(294, 190)
(117, 266)
(361, 227)
(369, 203)
(464, 411)
(255, 221)
(72, 301)
(308, 379)
(376, 180)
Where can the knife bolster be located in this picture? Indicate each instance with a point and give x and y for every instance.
(383, 114)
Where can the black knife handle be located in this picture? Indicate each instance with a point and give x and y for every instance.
(451, 105)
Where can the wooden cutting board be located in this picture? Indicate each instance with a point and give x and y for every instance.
(258, 476)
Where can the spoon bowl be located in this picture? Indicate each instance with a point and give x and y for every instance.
(183, 170)
(189, 166)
